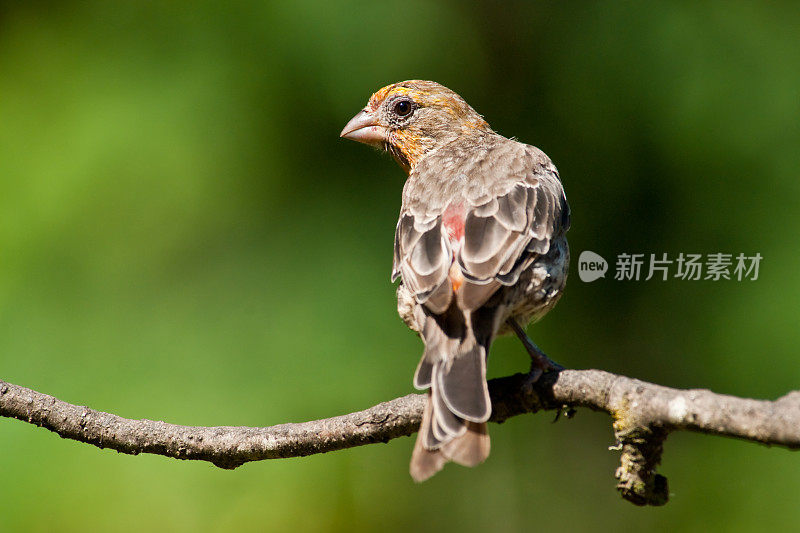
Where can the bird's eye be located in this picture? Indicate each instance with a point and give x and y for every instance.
(402, 108)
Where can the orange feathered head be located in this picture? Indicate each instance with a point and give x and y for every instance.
(411, 118)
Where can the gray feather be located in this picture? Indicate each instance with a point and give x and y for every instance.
(446, 425)
(470, 449)
(438, 299)
(423, 377)
(462, 383)
(482, 238)
(425, 462)
(511, 211)
(473, 295)
(488, 209)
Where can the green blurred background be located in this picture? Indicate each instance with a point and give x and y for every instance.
(184, 237)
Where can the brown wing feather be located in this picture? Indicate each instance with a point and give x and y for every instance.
(515, 206)
(422, 257)
(499, 246)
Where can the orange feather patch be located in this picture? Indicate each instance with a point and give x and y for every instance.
(456, 277)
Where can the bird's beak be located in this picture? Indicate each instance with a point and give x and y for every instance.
(365, 128)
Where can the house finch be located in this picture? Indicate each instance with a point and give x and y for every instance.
(480, 248)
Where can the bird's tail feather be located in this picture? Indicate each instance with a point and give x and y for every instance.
(453, 426)
(469, 449)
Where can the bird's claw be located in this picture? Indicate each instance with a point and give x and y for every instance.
(540, 363)
(539, 366)
(534, 375)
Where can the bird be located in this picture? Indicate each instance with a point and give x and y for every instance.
(480, 249)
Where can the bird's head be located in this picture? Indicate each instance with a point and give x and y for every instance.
(411, 118)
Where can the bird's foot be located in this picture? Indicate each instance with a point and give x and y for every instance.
(540, 363)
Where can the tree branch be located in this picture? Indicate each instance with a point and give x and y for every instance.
(643, 413)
